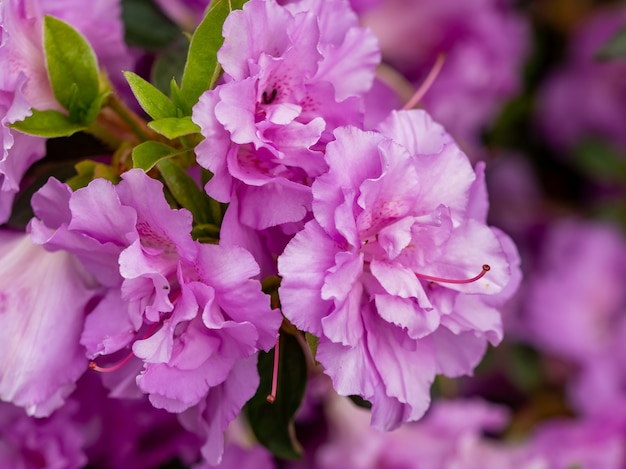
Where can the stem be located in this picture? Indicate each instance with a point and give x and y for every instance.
(134, 122)
(104, 135)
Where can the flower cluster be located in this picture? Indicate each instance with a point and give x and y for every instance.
(215, 239)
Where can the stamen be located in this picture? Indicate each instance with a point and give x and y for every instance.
(486, 268)
(94, 366)
(269, 99)
(428, 82)
(272, 396)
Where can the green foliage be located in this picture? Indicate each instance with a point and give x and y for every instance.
(170, 63)
(152, 100)
(147, 154)
(174, 127)
(146, 26)
(600, 161)
(48, 124)
(272, 423)
(72, 68)
(185, 190)
(202, 69)
(87, 171)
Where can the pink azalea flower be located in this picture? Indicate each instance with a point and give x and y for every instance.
(43, 302)
(293, 73)
(191, 312)
(391, 268)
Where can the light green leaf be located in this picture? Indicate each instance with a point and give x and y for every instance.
(147, 154)
(72, 68)
(202, 69)
(174, 127)
(185, 190)
(87, 171)
(153, 101)
(48, 124)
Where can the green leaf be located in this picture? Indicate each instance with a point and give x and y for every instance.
(147, 154)
(48, 124)
(178, 99)
(153, 101)
(72, 68)
(312, 341)
(146, 26)
(174, 127)
(169, 64)
(600, 161)
(185, 190)
(206, 232)
(96, 105)
(202, 69)
(615, 48)
(272, 423)
(87, 171)
(360, 402)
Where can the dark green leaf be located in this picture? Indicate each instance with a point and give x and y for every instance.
(147, 154)
(205, 232)
(169, 64)
(600, 161)
(153, 101)
(185, 190)
(202, 69)
(72, 68)
(174, 127)
(146, 26)
(360, 402)
(48, 124)
(22, 211)
(272, 423)
(615, 48)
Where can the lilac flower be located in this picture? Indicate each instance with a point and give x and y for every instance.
(450, 436)
(574, 309)
(52, 442)
(390, 268)
(585, 97)
(575, 299)
(589, 444)
(127, 432)
(196, 311)
(484, 43)
(292, 74)
(43, 302)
